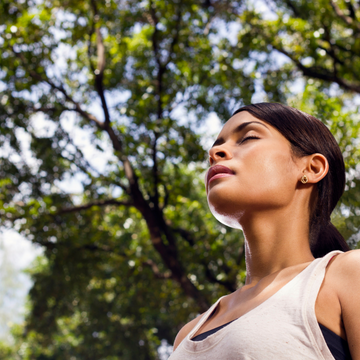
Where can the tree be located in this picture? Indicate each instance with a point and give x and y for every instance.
(135, 253)
(122, 266)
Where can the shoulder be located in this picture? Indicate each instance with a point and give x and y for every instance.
(344, 270)
(185, 330)
(344, 275)
(347, 266)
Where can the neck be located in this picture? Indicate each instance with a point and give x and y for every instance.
(275, 241)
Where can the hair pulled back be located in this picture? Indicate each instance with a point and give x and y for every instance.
(308, 135)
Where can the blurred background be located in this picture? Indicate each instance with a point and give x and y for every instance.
(107, 110)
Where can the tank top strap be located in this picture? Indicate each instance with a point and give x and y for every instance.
(311, 292)
(203, 319)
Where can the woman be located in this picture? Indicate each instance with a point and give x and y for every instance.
(277, 174)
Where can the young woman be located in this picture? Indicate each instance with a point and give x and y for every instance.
(277, 174)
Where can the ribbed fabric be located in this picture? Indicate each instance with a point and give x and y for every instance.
(283, 327)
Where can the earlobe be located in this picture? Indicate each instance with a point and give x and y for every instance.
(316, 168)
(304, 179)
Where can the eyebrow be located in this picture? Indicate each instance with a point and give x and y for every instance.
(239, 128)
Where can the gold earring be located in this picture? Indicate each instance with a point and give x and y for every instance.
(304, 179)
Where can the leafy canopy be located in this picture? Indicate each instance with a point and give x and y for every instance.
(102, 160)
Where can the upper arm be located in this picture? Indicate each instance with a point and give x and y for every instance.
(348, 288)
(185, 330)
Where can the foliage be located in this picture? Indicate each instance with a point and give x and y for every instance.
(134, 253)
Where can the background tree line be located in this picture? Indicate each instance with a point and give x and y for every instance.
(102, 160)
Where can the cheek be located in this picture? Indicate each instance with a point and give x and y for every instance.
(263, 179)
(271, 174)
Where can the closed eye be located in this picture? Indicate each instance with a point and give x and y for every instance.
(248, 138)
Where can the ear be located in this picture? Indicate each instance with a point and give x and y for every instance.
(316, 168)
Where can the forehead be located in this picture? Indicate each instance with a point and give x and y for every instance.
(238, 119)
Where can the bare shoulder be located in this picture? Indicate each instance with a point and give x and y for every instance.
(347, 265)
(343, 272)
(185, 330)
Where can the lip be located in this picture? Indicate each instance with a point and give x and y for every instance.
(217, 172)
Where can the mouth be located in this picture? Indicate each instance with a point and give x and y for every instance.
(217, 172)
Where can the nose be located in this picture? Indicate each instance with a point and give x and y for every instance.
(218, 153)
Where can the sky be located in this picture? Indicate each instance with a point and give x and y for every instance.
(16, 255)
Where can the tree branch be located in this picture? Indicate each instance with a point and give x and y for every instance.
(347, 19)
(231, 286)
(117, 145)
(94, 247)
(320, 73)
(166, 198)
(186, 235)
(154, 21)
(295, 11)
(227, 284)
(99, 72)
(92, 204)
(148, 263)
(59, 88)
(332, 54)
(155, 172)
(161, 68)
(175, 39)
(158, 228)
(115, 141)
(351, 10)
(332, 51)
(155, 269)
(89, 49)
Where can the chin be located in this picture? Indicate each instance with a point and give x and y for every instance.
(226, 219)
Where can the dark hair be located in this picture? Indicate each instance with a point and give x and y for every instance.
(308, 135)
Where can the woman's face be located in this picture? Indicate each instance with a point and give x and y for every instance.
(252, 170)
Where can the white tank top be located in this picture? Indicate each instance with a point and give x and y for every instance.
(283, 327)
